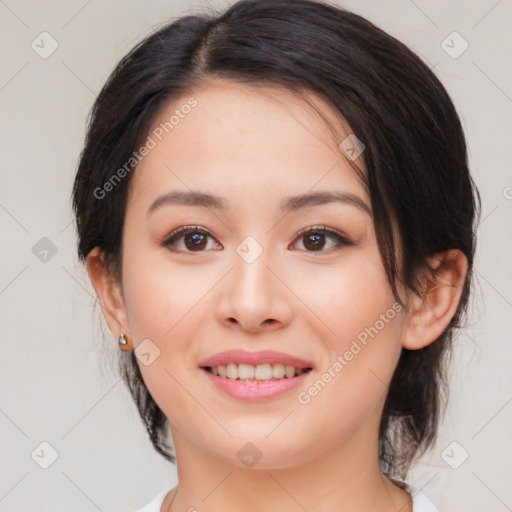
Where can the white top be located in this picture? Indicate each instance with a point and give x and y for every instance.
(420, 503)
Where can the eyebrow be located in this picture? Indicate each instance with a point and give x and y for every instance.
(288, 204)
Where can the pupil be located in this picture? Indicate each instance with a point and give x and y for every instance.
(197, 240)
(314, 241)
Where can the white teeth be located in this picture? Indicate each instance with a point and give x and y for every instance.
(263, 372)
(289, 371)
(246, 371)
(278, 371)
(232, 371)
(258, 372)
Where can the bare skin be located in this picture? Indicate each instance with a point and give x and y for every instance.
(254, 147)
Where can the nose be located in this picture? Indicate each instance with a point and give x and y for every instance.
(254, 296)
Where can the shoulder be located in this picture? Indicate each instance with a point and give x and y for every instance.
(420, 502)
(155, 504)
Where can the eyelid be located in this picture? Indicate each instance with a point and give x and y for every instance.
(324, 229)
(187, 228)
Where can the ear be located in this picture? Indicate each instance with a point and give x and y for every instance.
(432, 309)
(109, 293)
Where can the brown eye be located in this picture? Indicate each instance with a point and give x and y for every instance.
(315, 239)
(314, 242)
(193, 240)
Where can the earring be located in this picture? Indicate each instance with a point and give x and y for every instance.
(123, 342)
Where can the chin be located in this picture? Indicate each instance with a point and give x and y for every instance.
(264, 453)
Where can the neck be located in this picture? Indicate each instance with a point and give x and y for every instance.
(347, 478)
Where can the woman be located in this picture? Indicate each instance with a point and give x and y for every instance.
(276, 213)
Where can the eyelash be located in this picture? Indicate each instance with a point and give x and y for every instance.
(184, 230)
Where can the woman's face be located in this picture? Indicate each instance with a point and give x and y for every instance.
(247, 277)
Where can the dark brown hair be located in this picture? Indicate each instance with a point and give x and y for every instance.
(415, 159)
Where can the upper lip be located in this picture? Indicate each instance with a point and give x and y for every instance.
(255, 358)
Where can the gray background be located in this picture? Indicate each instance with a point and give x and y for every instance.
(56, 384)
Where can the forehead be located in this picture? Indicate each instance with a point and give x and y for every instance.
(231, 136)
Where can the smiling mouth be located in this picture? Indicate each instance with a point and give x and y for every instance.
(256, 373)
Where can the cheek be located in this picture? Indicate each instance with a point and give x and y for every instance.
(361, 325)
(158, 292)
(168, 304)
(348, 298)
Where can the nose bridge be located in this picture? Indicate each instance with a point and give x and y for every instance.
(253, 296)
(251, 275)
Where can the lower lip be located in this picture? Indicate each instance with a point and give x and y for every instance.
(255, 390)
